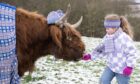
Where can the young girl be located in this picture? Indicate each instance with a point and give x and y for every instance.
(118, 49)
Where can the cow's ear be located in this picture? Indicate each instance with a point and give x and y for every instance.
(56, 35)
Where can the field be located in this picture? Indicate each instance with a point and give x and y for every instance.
(51, 71)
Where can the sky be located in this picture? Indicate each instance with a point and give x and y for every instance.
(138, 1)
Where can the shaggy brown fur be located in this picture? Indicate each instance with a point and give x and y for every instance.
(35, 38)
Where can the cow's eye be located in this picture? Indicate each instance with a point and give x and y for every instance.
(69, 38)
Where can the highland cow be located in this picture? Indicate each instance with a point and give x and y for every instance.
(35, 38)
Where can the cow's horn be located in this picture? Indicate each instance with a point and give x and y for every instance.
(74, 25)
(65, 16)
(78, 23)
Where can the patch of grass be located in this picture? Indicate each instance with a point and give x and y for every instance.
(28, 78)
(38, 78)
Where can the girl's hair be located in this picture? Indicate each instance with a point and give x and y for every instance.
(125, 25)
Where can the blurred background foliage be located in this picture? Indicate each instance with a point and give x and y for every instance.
(93, 12)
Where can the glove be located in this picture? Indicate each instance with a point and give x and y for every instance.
(127, 71)
(86, 57)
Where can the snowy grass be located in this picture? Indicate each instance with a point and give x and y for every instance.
(49, 71)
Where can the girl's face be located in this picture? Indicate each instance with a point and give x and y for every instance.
(110, 31)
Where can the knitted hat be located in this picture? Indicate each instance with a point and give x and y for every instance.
(112, 23)
(54, 16)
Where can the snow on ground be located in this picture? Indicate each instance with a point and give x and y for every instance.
(49, 71)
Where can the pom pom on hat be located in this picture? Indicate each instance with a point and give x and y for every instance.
(54, 16)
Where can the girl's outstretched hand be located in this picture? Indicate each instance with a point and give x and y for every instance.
(86, 57)
(127, 71)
